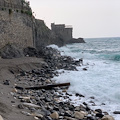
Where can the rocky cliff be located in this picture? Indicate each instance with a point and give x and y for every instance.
(44, 36)
(17, 25)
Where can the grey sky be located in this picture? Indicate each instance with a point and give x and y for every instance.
(89, 18)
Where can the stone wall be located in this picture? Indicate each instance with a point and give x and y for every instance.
(15, 27)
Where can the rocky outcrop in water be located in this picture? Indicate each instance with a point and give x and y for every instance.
(79, 40)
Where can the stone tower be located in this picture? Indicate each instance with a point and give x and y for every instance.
(63, 31)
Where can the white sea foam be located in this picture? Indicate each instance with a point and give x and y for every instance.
(53, 46)
(101, 80)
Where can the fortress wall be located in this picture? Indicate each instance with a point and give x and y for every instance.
(15, 27)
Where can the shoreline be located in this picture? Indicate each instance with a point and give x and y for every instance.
(42, 104)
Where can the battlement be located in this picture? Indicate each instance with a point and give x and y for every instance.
(68, 26)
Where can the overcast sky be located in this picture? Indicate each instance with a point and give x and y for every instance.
(89, 18)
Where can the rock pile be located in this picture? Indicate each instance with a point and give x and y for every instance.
(52, 56)
(11, 51)
(56, 61)
(51, 104)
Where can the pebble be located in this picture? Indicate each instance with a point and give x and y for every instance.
(1, 118)
(31, 105)
(116, 112)
(79, 115)
(107, 117)
(25, 113)
(47, 104)
(54, 115)
(37, 115)
(6, 82)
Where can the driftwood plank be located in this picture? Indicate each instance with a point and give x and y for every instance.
(46, 87)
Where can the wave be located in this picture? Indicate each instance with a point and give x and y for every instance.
(116, 57)
(113, 57)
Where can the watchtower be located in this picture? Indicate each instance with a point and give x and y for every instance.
(62, 31)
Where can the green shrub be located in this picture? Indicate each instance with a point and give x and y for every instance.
(28, 13)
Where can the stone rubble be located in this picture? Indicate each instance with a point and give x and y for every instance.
(47, 104)
(1, 118)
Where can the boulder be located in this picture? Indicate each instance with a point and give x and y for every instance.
(74, 40)
(116, 112)
(54, 115)
(1, 118)
(31, 105)
(107, 117)
(80, 115)
(10, 51)
(30, 51)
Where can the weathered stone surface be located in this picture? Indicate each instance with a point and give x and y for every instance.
(31, 105)
(30, 51)
(79, 115)
(54, 115)
(69, 118)
(10, 51)
(1, 118)
(107, 117)
(73, 40)
(26, 113)
(37, 115)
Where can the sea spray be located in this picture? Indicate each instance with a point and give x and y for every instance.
(102, 78)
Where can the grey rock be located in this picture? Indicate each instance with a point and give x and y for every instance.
(116, 112)
(20, 106)
(6, 82)
(11, 51)
(1, 118)
(98, 110)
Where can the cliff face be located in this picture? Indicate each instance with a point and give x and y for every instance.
(44, 36)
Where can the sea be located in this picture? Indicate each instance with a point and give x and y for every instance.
(101, 58)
